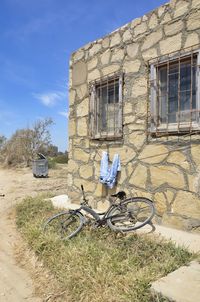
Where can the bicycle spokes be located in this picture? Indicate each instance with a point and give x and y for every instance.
(139, 212)
(131, 214)
(64, 225)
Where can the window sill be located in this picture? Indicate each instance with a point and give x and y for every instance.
(107, 136)
(175, 128)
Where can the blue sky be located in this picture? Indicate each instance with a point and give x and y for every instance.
(36, 40)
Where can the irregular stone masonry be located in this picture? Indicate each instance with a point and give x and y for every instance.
(165, 169)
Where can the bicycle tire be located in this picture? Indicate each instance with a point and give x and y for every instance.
(125, 216)
(65, 224)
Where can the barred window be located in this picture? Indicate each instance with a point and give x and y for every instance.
(175, 88)
(106, 108)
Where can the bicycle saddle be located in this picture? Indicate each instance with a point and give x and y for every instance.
(121, 195)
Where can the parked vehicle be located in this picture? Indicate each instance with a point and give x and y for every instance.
(123, 215)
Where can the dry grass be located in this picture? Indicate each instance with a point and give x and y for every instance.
(99, 265)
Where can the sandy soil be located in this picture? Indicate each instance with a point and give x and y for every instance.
(16, 284)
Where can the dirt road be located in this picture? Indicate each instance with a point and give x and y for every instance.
(15, 283)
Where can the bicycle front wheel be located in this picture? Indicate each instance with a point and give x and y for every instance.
(131, 214)
(65, 224)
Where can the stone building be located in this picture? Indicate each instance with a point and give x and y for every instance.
(136, 92)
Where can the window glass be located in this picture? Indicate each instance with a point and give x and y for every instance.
(108, 106)
(176, 91)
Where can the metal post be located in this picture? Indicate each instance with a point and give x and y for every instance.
(114, 108)
(167, 97)
(107, 86)
(179, 71)
(157, 98)
(191, 90)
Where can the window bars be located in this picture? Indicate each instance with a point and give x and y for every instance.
(175, 93)
(106, 107)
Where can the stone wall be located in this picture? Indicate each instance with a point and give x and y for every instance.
(165, 169)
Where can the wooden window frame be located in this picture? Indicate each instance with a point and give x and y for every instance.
(178, 127)
(94, 115)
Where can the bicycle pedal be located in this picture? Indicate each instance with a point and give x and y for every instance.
(87, 221)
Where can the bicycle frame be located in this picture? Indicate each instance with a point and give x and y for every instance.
(118, 216)
(95, 215)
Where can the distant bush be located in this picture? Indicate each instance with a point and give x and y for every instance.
(51, 163)
(61, 159)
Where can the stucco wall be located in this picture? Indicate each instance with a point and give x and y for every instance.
(165, 169)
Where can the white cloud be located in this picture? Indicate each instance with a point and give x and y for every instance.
(50, 99)
(64, 113)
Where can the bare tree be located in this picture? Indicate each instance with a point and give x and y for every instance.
(2, 141)
(40, 136)
(24, 144)
(2, 144)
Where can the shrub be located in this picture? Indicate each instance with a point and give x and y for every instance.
(61, 159)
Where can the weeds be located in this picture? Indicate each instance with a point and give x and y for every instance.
(99, 265)
(59, 159)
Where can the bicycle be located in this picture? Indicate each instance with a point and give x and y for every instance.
(123, 215)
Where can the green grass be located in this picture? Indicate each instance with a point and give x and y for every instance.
(51, 163)
(99, 265)
(59, 159)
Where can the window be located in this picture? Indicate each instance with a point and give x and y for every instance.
(106, 108)
(175, 94)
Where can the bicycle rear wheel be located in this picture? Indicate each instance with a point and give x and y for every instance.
(131, 214)
(65, 224)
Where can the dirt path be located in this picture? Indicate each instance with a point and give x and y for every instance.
(15, 283)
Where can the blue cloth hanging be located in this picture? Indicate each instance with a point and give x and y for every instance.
(108, 174)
